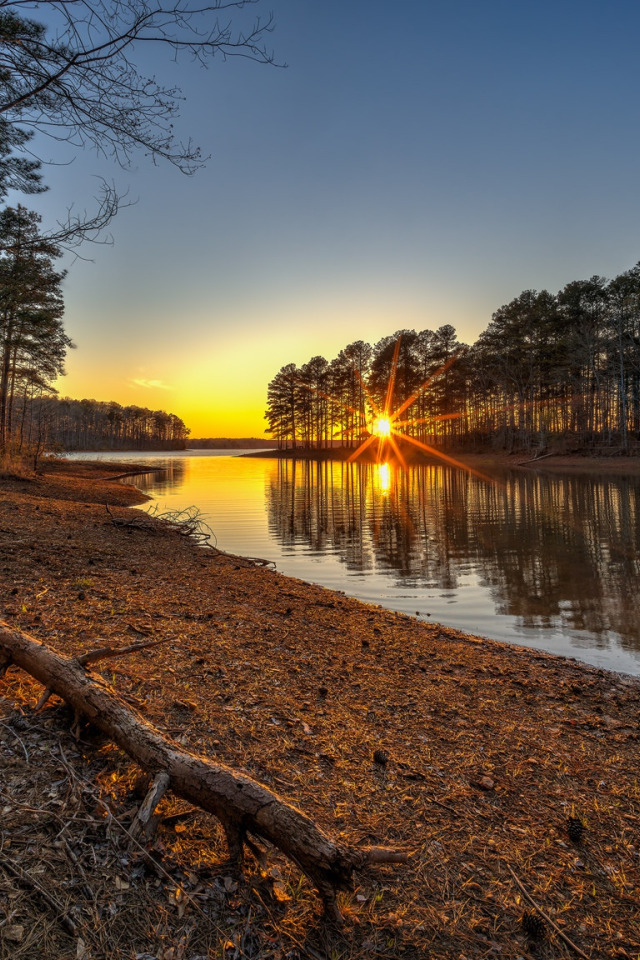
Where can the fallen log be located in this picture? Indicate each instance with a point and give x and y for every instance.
(242, 805)
(542, 456)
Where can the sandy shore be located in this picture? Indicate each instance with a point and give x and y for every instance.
(490, 748)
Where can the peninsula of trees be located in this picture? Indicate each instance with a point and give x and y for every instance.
(551, 372)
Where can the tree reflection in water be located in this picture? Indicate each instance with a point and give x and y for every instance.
(553, 550)
(170, 474)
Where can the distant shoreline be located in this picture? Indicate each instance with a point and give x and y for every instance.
(573, 463)
(230, 443)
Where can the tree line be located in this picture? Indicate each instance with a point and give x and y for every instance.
(66, 424)
(551, 371)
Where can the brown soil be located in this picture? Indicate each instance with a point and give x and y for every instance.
(490, 750)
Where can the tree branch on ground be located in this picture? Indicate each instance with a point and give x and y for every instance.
(242, 805)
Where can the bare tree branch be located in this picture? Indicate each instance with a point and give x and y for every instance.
(78, 79)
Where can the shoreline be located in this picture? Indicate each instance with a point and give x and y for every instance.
(557, 463)
(613, 650)
(490, 747)
(572, 463)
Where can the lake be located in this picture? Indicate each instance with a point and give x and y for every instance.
(549, 561)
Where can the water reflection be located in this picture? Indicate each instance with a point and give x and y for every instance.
(169, 474)
(544, 560)
(555, 552)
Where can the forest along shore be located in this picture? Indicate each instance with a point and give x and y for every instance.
(480, 757)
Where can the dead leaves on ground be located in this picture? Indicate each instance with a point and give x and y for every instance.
(489, 752)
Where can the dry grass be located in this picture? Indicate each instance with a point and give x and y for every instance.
(14, 466)
(490, 751)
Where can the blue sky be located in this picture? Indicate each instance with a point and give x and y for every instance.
(417, 163)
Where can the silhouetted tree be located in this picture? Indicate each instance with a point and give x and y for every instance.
(283, 406)
(393, 374)
(349, 375)
(32, 341)
(623, 296)
(17, 172)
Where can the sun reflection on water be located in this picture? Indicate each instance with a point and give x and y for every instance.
(383, 477)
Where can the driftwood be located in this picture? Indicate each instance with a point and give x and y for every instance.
(542, 456)
(189, 523)
(242, 805)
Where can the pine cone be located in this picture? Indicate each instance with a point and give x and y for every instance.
(575, 828)
(533, 926)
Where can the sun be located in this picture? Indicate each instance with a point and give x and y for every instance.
(390, 425)
(381, 427)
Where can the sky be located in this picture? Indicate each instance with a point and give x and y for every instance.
(416, 163)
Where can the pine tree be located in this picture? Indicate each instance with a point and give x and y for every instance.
(32, 340)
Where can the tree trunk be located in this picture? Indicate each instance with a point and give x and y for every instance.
(240, 803)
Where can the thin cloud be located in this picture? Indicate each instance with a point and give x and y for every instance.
(152, 384)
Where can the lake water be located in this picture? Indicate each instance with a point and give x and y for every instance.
(544, 560)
